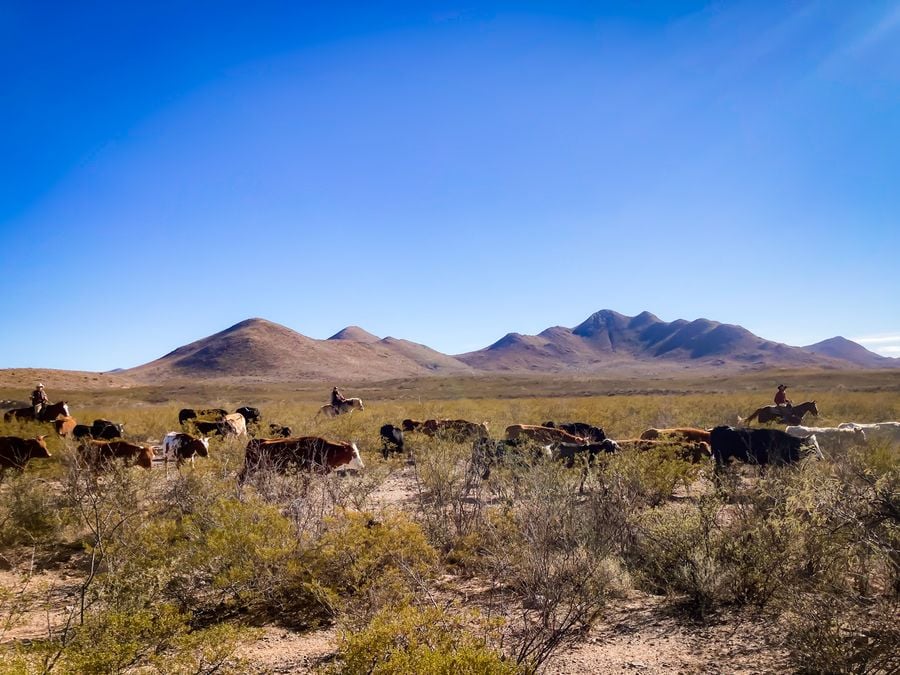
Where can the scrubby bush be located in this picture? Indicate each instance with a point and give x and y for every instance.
(152, 640)
(367, 561)
(649, 477)
(30, 512)
(828, 633)
(409, 641)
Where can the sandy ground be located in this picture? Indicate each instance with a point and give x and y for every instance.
(636, 635)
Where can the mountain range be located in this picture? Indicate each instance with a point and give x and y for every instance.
(606, 342)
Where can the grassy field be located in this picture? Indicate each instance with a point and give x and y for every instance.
(422, 566)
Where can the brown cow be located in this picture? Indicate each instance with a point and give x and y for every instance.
(99, 453)
(457, 429)
(64, 425)
(679, 434)
(411, 425)
(541, 435)
(15, 452)
(689, 451)
(306, 452)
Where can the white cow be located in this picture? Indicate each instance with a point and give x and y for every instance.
(831, 436)
(878, 431)
(179, 447)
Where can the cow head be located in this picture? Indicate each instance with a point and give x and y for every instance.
(145, 457)
(355, 463)
(203, 446)
(38, 449)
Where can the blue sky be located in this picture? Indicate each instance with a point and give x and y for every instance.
(444, 173)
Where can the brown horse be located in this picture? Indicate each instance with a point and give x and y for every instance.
(48, 413)
(783, 414)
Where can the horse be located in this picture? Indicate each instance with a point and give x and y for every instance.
(48, 413)
(785, 415)
(347, 406)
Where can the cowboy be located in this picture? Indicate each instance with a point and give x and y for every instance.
(337, 398)
(782, 401)
(39, 399)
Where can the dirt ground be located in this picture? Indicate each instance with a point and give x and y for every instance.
(639, 634)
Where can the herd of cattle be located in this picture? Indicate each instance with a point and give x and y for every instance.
(102, 442)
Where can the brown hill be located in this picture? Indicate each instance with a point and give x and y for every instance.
(607, 339)
(605, 343)
(847, 350)
(354, 334)
(260, 350)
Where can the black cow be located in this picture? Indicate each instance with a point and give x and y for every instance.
(207, 428)
(186, 414)
(280, 431)
(755, 446)
(251, 415)
(100, 429)
(391, 439)
(567, 452)
(106, 430)
(582, 429)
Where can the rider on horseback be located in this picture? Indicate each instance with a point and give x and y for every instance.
(39, 399)
(782, 401)
(337, 398)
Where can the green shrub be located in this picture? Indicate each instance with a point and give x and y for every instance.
(156, 640)
(30, 512)
(364, 562)
(650, 477)
(837, 634)
(230, 557)
(411, 641)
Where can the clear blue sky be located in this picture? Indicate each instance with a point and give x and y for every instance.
(444, 173)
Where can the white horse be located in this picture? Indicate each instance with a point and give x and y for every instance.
(347, 406)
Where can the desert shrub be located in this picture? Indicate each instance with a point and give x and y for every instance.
(448, 488)
(30, 512)
(308, 499)
(230, 557)
(837, 634)
(674, 551)
(409, 640)
(650, 476)
(365, 561)
(799, 530)
(157, 639)
(555, 556)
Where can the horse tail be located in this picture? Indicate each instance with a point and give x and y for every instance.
(753, 416)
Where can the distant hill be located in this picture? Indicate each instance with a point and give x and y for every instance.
(607, 339)
(257, 349)
(851, 352)
(607, 343)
